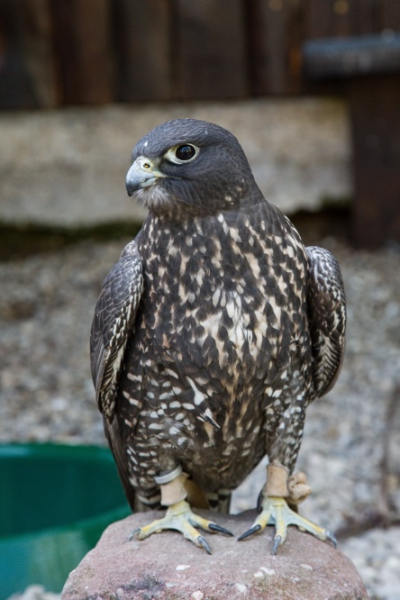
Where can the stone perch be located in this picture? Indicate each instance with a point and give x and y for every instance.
(166, 566)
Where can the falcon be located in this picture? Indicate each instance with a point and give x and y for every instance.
(211, 336)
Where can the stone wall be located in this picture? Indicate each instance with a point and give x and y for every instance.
(67, 167)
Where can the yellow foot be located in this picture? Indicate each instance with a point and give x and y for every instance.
(275, 511)
(180, 517)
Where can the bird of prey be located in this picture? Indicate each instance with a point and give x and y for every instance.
(212, 334)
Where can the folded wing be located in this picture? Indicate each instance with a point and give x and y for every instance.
(112, 324)
(327, 318)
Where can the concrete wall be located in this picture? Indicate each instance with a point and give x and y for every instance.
(67, 167)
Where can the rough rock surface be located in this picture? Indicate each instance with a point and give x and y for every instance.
(166, 566)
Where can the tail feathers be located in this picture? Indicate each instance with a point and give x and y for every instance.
(113, 436)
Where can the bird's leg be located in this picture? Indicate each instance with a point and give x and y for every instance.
(279, 492)
(179, 515)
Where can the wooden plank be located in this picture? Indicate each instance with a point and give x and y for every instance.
(211, 54)
(275, 37)
(363, 16)
(389, 15)
(15, 85)
(144, 49)
(340, 18)
(27, 70)
(39, 52)
(82, 41)
(322, 22)
(374, 103)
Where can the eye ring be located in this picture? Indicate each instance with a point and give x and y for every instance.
(182, 153)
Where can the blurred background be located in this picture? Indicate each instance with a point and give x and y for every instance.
(312, 91)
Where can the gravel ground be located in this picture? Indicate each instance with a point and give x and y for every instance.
(46, 305)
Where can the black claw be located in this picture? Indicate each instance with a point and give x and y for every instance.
(277, 543)
(204, 543)
(219, 529)
(249, 532)
(331, 537)
(132, 534)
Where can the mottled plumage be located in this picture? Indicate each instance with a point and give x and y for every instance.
(216, 328)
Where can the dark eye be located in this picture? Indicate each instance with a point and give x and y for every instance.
(185, 152)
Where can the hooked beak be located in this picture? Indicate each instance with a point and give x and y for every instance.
(143, 173)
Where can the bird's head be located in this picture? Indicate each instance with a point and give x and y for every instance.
(189, 165)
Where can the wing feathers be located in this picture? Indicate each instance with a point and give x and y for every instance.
(112, 323)
(327, 318)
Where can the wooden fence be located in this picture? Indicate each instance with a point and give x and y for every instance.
(60, 52)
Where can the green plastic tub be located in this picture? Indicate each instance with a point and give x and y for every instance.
(55, 502)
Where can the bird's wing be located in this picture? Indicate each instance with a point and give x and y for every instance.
(327, 317)
(113, 320)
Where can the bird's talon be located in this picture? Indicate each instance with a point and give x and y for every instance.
(133, 534)
(331, 537)
(180, 517)
(277, 543)
(204, 544)
(277, 512)
(219, 529)
(249, 532)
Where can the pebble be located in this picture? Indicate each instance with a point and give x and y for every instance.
(264, 571)
(35, 592)
(241, 587)
(46, 392)
(267, 571)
